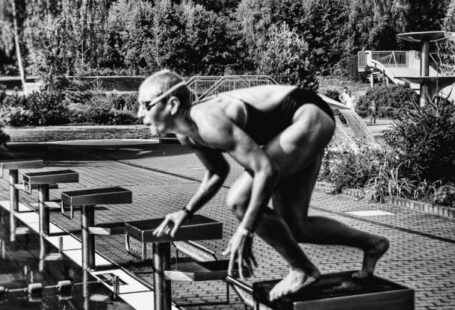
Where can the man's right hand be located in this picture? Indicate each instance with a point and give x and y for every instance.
(171, 224)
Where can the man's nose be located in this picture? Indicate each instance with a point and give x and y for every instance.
(140, 112)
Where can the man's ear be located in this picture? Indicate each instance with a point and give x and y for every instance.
(175, 104)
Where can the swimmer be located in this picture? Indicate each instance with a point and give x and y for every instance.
(278, 134)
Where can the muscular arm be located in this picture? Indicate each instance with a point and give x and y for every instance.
(223, 133)
(217, 171)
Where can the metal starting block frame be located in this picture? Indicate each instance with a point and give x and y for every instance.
(14, 166)
(43, 180)
(197, 228)
(87, 201)
(339, 291)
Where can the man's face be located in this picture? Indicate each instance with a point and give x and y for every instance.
(151, 109)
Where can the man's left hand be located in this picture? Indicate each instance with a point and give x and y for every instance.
(240, 247)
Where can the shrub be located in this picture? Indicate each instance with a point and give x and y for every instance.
(349, 169)
(425, 139)
(99, 111)
(123, 102)
(123, 118)
(390, 99)
(14, 100)
(14, 116)
(39, 108)
(445, 195)
(389, 181)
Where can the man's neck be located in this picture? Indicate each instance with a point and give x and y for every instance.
(184, 125)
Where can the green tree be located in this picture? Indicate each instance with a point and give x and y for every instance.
(423, 15)
(210, 48)
(65, 36)
(322, 25)
(169, 41)
(130, 36)
(286, 58)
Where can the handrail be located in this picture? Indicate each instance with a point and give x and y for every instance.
(204, 86)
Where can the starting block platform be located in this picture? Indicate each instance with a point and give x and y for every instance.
(339, 291)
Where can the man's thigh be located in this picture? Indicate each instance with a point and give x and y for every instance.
(291, 199)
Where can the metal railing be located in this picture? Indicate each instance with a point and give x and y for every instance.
(391, 58)
(387, 58)
(205, 86)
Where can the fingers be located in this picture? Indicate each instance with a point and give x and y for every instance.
(174, 230)
(240, 248)
(164, 228)
(231, 263)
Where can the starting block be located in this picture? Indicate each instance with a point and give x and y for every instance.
(197, 228)
(87, 200)
(339, 291)
(43, 180)
(13, 166)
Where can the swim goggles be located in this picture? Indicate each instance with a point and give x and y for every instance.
(150, 104)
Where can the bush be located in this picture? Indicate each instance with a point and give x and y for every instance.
(51, 107)
(13, 100)
(39, 108)
(389, 181)
(390, 99)
(349, 169)
(425, 139)
(14, 116)
(123, 102)
(48, 108)
(99, 111)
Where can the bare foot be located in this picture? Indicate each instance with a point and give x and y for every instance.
(294, 281)
(370, 258)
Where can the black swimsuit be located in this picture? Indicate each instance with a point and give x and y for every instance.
(263, 126)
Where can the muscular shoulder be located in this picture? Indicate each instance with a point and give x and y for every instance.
(214, 126)
(232, 108)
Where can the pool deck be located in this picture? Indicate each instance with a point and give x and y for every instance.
(164, 177)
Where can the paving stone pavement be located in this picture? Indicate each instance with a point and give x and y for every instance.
(164, 177)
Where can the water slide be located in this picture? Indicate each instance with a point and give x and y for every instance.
(393, 64)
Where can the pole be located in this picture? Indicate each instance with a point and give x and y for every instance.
(13, 202)
(161, 286)
(44, 219)
(16, 43)
(44, 216)
(88, 240)
(425, 71)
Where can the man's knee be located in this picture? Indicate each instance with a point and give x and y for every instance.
(238, 204)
